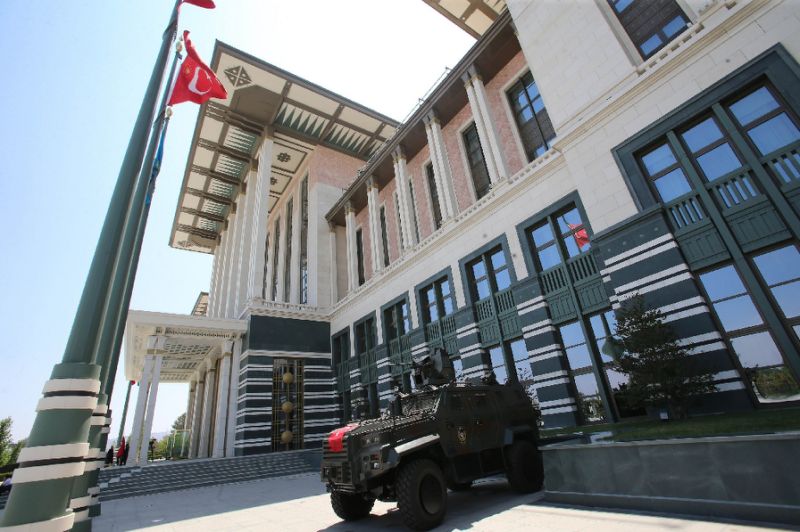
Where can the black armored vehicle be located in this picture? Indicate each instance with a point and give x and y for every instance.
(442, 435)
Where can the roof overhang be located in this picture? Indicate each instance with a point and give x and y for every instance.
(190, 340)
(262, 99)
(472, 16)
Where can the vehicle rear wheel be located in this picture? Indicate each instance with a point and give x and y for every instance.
(351, 506)
(421, 494)
(525, 470)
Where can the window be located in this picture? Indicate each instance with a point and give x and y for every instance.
(531, 116)
(413, 209)
(360, 257)
(275, 259)
(384, 236)
(396, 320)
(579, 356)
(436, 300)
(477, 163)
(399, 223)
(437, 210)
(573, 238)
(780, 270)
(767, 124)
(304, 241)
(488, 274)
(498, 362)
(365, 336)
(744, 326)
(665, 174)
(287, 269)
(650, 24)
(522, 366)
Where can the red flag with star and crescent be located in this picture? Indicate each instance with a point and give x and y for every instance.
(196, 81)
(208, 4)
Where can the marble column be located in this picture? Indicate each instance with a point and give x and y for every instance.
(482, 99)
(187, 421)
(352, 256)
(245, 241)
(334, 264)
(260, 189)
(407, 231)
(376, 249)
(155, 349)
(231, 312)
(480, 125)
(441, 166)
(135, 440)
(208, 408)
(197, 415)
(218, 443)
(233, 398)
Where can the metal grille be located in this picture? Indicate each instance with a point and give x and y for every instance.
(291, 392)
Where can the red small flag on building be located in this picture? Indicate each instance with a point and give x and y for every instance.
(208, 4)
(196, 82)
(581, 236)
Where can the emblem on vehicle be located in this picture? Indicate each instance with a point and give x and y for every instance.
(462, 435)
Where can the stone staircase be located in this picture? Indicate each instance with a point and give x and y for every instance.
(118, 483)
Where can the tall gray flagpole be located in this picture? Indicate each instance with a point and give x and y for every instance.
(108, 349)
(58, 443)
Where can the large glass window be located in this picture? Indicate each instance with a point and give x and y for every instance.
(650, 24)
(437, 209)
(304, 241)
(750, 338)
(437, 300)
(765, 121)
(360, 257)
(522, 366)
(287, 269)
(664, 173)
(780, 270)
(590, 403)
(573, 238)
(531, 116)
(498, 362)
(477, 163)
(396, 320)
(489, 273)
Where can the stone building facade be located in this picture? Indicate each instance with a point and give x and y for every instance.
(580, 153)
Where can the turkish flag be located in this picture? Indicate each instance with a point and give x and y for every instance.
(208, 4)
(196, 82)
(581, 236)
(335, 439)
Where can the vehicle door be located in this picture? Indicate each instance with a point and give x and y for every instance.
(485, 420)
(458, 430)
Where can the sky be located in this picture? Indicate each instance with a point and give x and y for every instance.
(75, 75)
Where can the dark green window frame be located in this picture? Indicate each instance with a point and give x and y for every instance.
(435, 206)
(477, 162)
(533, 123)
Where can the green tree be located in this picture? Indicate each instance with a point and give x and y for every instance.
(661, 371)
(179, 423)
(6, 444)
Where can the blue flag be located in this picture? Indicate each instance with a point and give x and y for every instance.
(156, 165)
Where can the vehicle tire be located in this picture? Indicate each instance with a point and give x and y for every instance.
(459, 486)
(525, 470)
(421, 494)
(351, 506)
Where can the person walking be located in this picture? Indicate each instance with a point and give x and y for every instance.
(125, 454)
(110, 456)
(121, 452)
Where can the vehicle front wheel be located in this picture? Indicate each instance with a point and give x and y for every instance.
(525, 469)
(421, 494)
(351, 506)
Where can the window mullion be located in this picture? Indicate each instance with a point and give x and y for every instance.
(784, 341)
(767, 183)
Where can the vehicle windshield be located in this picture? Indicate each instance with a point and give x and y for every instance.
(419, 402)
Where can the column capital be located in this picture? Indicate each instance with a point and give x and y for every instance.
(332, 226)
(156, 344)
(431, 118)
(349, 208)
(398, 154)
(227, 347)
(372, 184)
(211, 364)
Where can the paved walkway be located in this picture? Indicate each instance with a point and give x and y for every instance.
(300, 504)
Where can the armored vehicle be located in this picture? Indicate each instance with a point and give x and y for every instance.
(442, 435)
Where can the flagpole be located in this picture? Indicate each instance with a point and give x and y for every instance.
(85, 489)
(57, 445)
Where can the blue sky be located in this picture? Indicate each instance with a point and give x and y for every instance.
(75, 75)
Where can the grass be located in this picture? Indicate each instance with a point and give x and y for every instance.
(753, 422)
